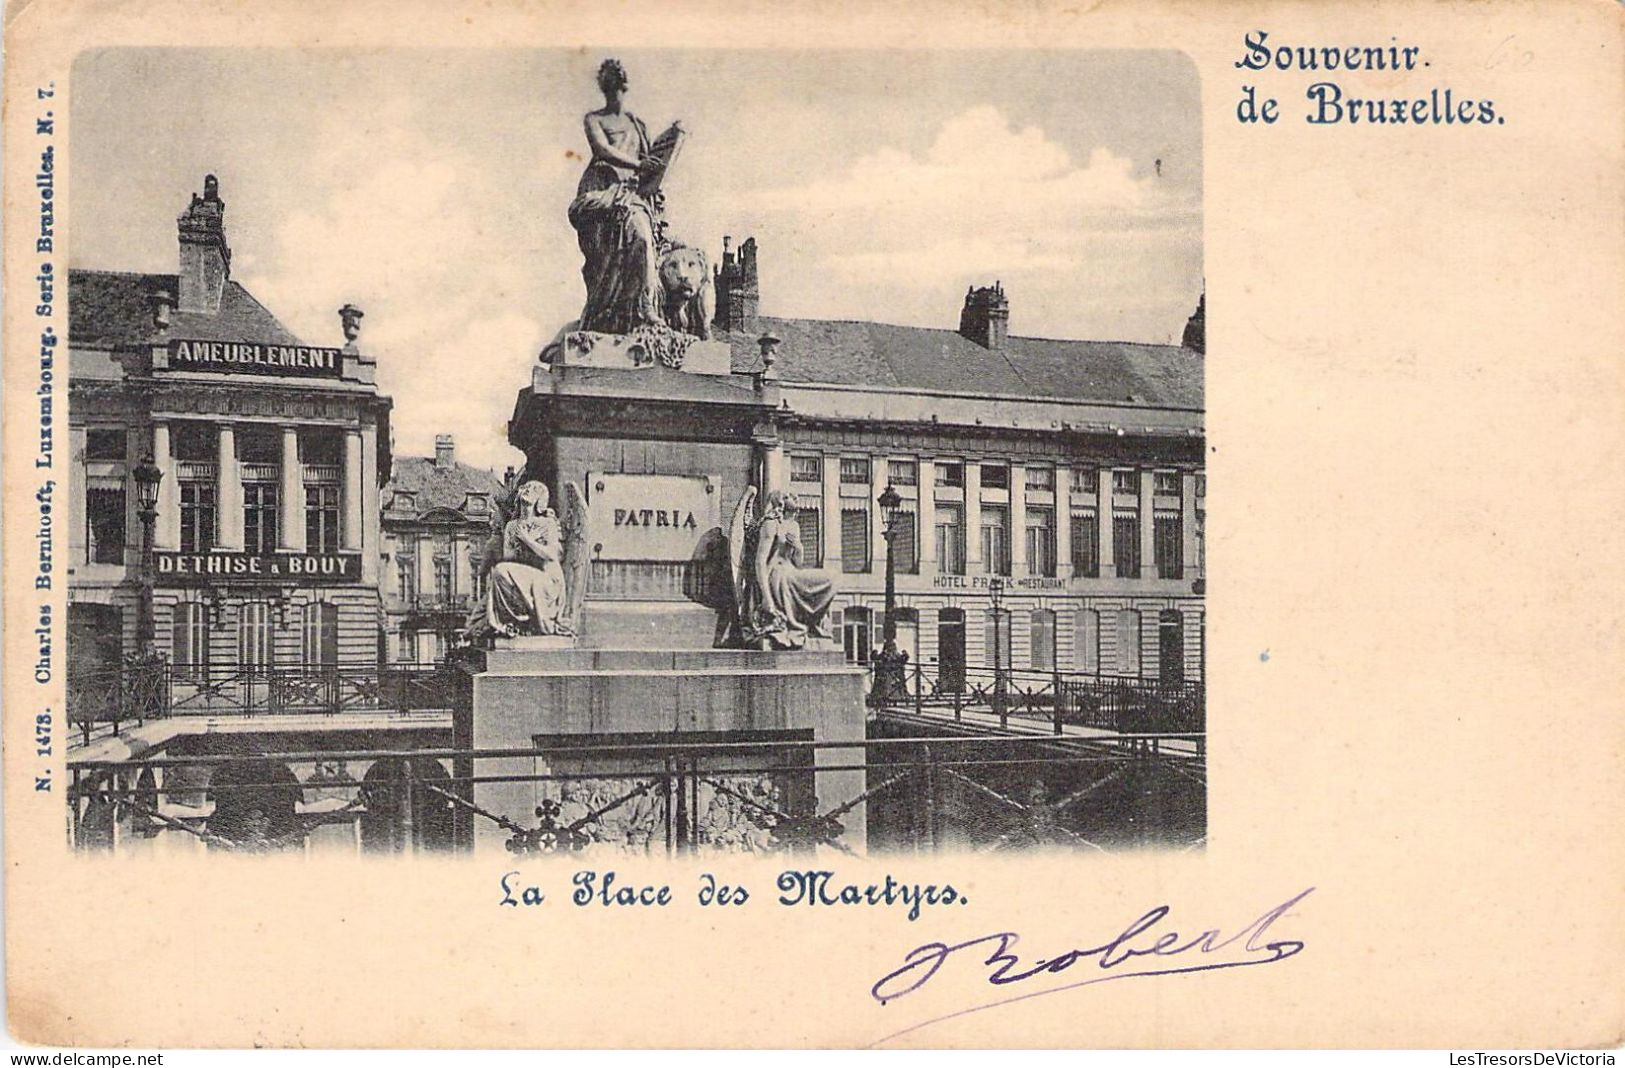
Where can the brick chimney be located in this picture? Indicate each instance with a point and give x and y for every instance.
(1196, 327)
(445, 451)
(737, 293)
(205, 256)
(985, 319)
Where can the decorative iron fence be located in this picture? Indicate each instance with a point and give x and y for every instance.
(141, 691)
(1102, 702)
(759, 797)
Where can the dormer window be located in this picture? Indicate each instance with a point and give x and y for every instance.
(477, 503)
(404, 499)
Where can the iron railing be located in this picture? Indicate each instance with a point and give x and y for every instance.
(131, 693)
(1102, 702)
(759, 796)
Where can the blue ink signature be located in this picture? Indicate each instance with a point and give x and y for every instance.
(1134, 954)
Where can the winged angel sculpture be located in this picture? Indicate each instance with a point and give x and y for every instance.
(781, 604)
(538, 567)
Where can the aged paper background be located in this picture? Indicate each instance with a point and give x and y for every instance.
(1414, 418)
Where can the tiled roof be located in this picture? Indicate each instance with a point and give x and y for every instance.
(437, 487)
(112, 308)
(920, 358)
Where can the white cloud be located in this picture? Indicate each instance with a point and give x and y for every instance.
(898, 232)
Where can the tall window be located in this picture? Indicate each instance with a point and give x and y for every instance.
(806, 469)
(1041, 541)
(995, 540)
(406, 574)
(855, 470)
(1168, 535)
(105, 443)
(322, 518)
(950, 538)
(259, 517)
(189, 640)
(1041, 478)
(810, 521)
(854, 540)
(995, 476)
(1085, 480)
(1128, 643)
(996, 640)
(950, 473)
(1085, 543)
(1126, 544)
(1086, 642)
(254, 635)
(1125, 482)
(442, 577)
(903, 472)
(105, 521)
(197, 517)
(905, 543)
(1165, 484)
(857, 634)
(1042, 649)
(320, 629)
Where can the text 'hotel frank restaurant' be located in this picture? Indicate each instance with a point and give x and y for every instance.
(269, 451)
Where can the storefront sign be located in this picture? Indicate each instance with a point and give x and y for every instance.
(650, 517)
(285, 568)
(253, 358)
(980, 582)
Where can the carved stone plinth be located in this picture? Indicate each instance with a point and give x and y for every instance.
(648, 347)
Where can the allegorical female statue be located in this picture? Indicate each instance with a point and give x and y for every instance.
(526, 588)
(781, 605)
(616, 214)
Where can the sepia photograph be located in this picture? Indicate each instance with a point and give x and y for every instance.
(653, 453)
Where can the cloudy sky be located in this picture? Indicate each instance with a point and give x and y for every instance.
(430, 187)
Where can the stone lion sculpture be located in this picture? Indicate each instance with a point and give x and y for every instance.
(685, 285)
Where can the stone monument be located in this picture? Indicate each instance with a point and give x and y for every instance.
(638, 615)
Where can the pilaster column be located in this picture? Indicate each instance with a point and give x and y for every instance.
(290, 533)
(350, 530)
(1104, 522)
(167, 534)
(973, 518)
(832, 512)
(228, 492)
(371, 521)
(1187, 523)
(1148, 526)
(1018, 520)
(925, 518)
(1063, 523)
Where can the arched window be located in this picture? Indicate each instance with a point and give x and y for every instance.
(319, 625)
(1086, 642)
(1170, 647)
(996, 642)
(951, 650)
(1128, 643)
(857, 634)
(1042, 648)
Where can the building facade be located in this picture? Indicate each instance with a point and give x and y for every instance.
(1067, 473)
(271, 452)
(437, 527)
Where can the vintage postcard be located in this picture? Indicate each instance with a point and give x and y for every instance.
(841, 526)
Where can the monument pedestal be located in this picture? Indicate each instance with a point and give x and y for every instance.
(675, 789)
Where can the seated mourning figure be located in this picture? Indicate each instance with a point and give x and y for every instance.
(536, 586)
(781, 604)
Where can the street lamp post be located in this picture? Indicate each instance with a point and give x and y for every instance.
(995, 590)
(147, 478)
(890, 679)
